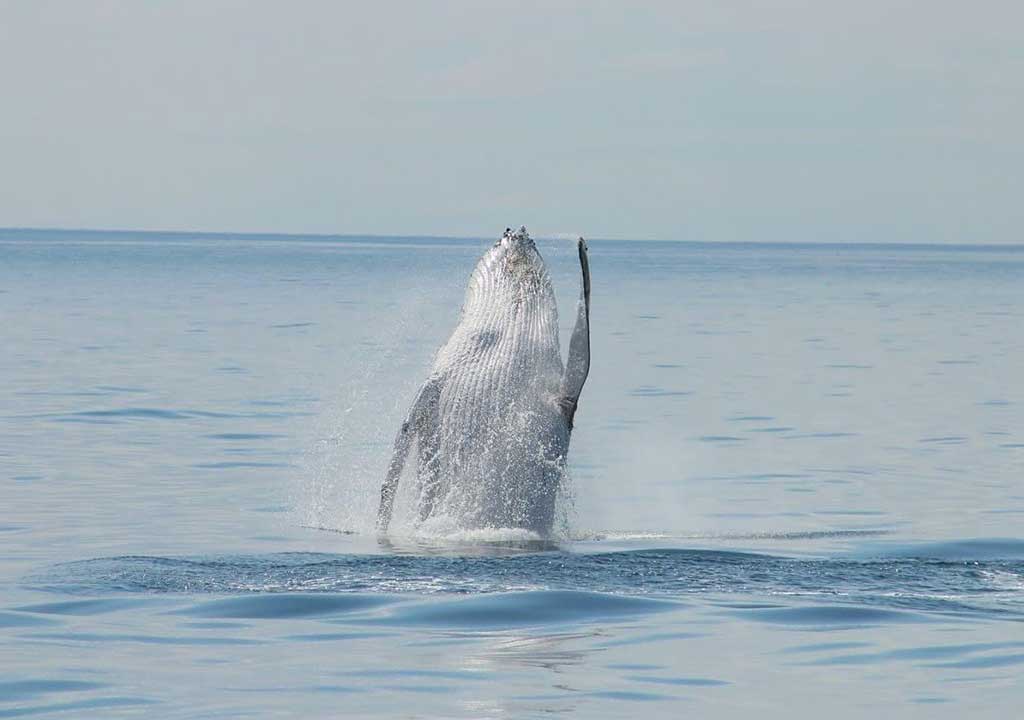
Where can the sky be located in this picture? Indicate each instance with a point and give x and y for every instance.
(874, 121)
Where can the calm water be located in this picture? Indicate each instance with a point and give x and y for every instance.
(798, 485)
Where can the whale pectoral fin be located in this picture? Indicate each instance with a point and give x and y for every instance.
(577, 366)
(403, 441)
(411, 429)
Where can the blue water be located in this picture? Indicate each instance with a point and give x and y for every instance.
(797, 485)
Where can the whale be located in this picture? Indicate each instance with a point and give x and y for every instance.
(489, 429)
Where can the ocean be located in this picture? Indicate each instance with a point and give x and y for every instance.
(797, 485)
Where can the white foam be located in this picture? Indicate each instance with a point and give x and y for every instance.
(446, 529)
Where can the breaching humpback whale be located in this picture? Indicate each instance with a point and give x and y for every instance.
(491, 424)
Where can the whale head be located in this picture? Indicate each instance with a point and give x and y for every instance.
(510, 273)
(515, 256)
(516, 239)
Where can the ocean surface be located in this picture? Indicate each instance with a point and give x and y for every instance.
(797, 485)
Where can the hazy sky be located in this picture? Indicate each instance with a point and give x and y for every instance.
(811, 121)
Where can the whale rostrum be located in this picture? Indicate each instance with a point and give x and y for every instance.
(491, 424)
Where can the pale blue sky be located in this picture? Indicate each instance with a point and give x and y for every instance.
(750, 121)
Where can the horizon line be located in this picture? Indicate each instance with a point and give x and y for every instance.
(406, 236)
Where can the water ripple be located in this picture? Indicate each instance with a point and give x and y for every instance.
(991, 583)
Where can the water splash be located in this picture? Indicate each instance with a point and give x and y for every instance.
(339, 488)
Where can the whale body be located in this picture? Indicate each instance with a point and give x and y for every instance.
(491, 424)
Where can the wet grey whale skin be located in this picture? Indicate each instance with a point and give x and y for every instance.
(491, 425)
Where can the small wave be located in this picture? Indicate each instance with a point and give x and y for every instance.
(245, 436)
(127, 413)
(239, 465)
(117, 415)
(543, 607)
(832, 616)
(82, 607)
(956, 550)
(19, 620)
(284, 605)
(991, 588)
(1002, 580)
(20, 690)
